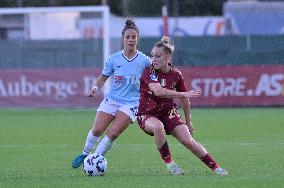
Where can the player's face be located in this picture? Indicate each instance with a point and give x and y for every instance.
(159, 58)
(130, 39)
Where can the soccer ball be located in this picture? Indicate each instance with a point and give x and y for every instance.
(95, 165)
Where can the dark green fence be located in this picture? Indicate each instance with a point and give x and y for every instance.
(192, 51)
(228, 50)
(51, 54)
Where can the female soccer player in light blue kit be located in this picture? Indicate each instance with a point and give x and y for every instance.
(121, 102)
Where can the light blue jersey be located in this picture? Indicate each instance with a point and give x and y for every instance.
(125, 76)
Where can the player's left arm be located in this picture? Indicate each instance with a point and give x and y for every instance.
(185, 103)
(187, 114)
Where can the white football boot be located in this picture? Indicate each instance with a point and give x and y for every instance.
(221, 172)
(176, 170)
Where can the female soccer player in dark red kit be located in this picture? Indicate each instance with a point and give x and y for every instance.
(158, 114)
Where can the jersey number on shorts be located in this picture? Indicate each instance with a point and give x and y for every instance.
(173, 113)
(134, 110)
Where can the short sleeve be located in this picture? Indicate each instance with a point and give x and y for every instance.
(148, 62)
(108, 68)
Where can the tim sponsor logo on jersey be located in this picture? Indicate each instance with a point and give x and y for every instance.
(127, 79)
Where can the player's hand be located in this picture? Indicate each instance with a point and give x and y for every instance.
(193, 93)
(94, 92)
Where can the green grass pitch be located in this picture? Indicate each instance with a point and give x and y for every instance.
(37, 146)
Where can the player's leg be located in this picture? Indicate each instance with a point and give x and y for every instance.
(125, 115)
(104, 116)
(101, 122)
(154, 126)
(182, 134)
(120, 123)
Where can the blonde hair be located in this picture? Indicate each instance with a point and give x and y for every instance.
(166, 44)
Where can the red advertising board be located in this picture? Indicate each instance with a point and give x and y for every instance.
(48, 88)
(258, 85)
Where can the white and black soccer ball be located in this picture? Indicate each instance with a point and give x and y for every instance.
(95, 165)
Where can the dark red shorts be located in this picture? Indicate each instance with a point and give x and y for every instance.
(170, 119)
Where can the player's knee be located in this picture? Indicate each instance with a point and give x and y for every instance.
(97, 131)
(115, 130)
(158, 128)
(154, 126)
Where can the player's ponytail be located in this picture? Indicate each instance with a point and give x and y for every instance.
(130, 24)
(165, 40)
(166, 43)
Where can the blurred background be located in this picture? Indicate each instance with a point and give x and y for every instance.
(51, 51)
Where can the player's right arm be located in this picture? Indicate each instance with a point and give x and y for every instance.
(99, 84)
(106, 73)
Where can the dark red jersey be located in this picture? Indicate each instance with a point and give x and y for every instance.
(152, 104)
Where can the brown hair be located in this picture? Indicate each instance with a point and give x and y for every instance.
(129, 24)
(166, 44)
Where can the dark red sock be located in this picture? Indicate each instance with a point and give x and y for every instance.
(209, 161)
(165, 153)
